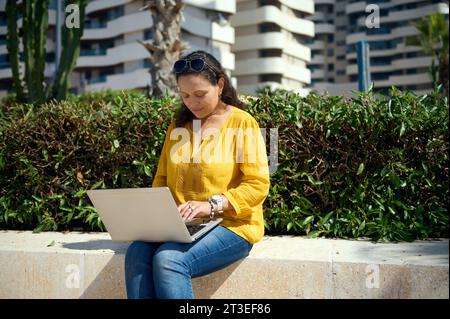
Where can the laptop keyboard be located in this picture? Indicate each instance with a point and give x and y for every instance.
(192, 229)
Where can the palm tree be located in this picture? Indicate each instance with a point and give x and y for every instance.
(167, 46)
(433, 38)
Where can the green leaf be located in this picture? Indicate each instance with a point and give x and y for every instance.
(289, 226)
(52, 243)
(80, 193)
(147, 170)
(97, 185)
(39, 228)
(308, 220)
(402, 129)
(392, 210)
(313, 234)
(324, 219)
(360, 169)
(45, 153)
(425, 167)
(362, 226)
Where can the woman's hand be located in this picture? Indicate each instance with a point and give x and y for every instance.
(193, 208)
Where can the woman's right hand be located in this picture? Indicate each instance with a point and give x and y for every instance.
(193, 208)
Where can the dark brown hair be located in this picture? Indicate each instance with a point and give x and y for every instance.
(229, 95)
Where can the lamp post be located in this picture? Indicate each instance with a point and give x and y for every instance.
(364, 80)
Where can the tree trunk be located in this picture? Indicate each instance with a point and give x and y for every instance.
(166, 47)
(39, 34)
(71, 37)
(12, 44)
(443, 74)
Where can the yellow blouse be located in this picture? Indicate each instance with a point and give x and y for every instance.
(231, 161)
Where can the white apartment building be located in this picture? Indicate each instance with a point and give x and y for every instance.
(341, 24)
(111, 57)
(270, 45)
(295, 44)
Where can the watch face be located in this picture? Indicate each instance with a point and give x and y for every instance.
(217, 197)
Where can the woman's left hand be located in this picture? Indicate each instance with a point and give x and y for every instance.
(193, 208)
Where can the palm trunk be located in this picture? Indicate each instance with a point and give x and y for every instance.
(166, 47)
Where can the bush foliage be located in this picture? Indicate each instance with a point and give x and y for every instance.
(369, 166)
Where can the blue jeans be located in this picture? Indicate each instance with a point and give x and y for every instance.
(164, 270)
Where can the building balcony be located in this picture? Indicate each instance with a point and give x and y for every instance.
(112, 56)
(272, 65)
(274, 15)
(272, 40)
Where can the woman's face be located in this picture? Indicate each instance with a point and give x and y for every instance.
(198, 94)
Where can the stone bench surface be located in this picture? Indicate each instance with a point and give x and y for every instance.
(90, 265)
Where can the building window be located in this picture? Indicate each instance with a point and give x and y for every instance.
(100, 19)
(5, 85)
(380, 76)
(275, 3)
(148, 35)
(268, 27)
(380, 30)
(380, 61)
(3, 19)
(147, 64)
(50, 57)
(270, 78)
(4, 61)
(270, 53)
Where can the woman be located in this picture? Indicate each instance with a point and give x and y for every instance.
(232, 183)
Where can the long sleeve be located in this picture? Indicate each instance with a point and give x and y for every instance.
(238, 170)
(255, 182)
(160, 178)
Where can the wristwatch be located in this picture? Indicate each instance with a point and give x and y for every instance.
(218, 200)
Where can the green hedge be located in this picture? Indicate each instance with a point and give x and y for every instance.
(370, 166)
(50, 156)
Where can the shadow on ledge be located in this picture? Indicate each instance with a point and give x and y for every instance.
(99, 244)
(110, 281)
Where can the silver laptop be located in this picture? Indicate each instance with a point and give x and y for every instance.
(146, 214)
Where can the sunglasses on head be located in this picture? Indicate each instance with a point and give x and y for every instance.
(196, 65)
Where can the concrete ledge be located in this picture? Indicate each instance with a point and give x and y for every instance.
(90, 265)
